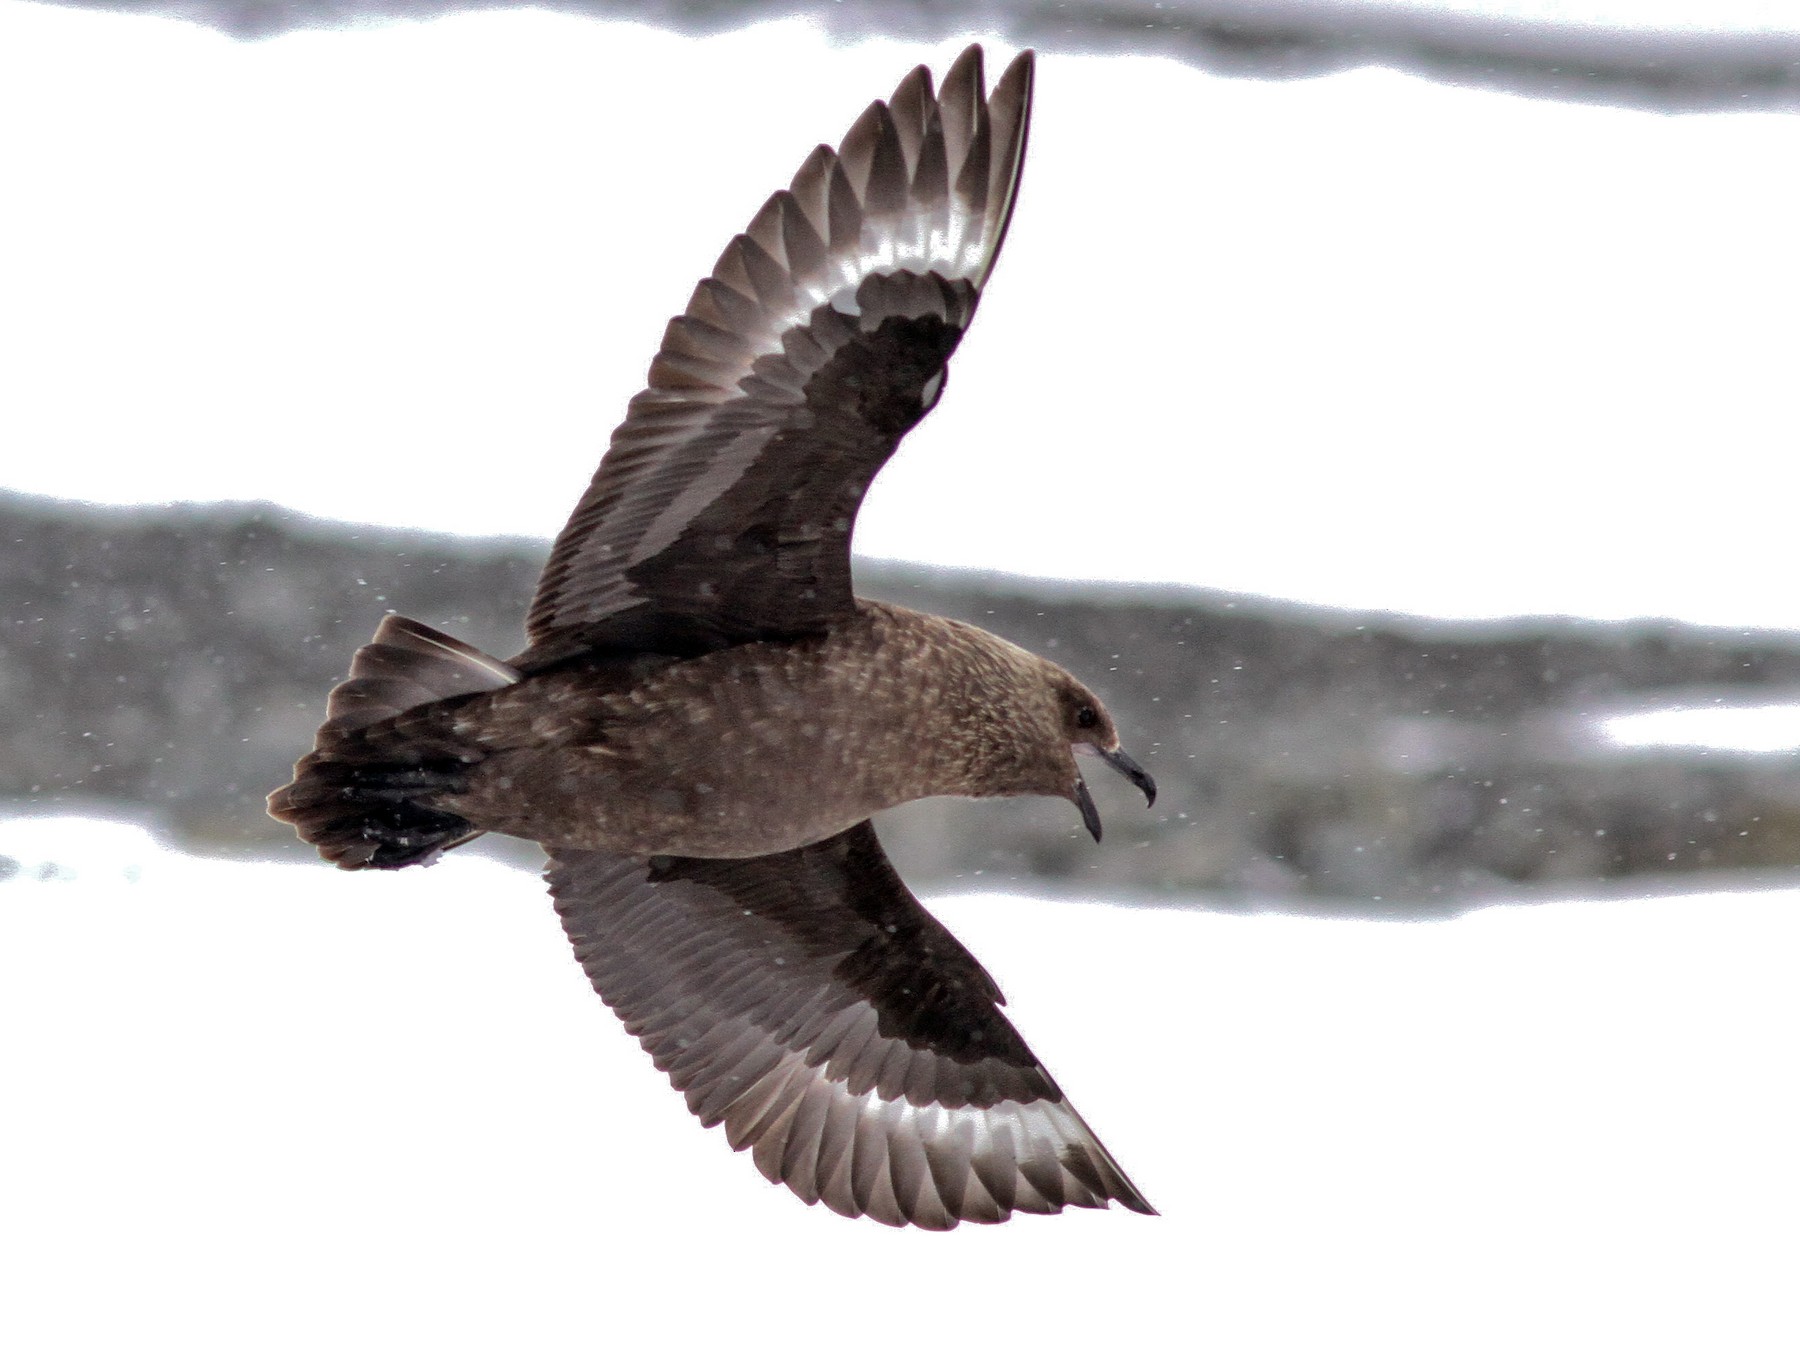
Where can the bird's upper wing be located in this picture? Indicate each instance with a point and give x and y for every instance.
(809, 1003)
(722, 511)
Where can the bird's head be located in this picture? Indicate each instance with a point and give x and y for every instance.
(1087, 730)
(1026, 724)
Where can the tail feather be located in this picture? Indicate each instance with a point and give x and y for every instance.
(364, 796)
(406, 665)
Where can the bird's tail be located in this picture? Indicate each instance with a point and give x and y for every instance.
(364, 796)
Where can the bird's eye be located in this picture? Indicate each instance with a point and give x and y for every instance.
(1086, 717)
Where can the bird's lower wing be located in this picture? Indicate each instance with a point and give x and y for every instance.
(807, 1002)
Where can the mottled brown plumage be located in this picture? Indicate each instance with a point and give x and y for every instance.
(765, 746)
(706, 716)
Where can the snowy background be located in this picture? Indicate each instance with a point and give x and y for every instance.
(1364, 341)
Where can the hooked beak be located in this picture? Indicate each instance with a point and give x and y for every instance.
(1128, 766)
(1125, 764)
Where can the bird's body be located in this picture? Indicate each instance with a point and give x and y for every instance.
(753, 749)
(706, 715)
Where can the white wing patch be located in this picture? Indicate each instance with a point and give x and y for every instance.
(930, 1165)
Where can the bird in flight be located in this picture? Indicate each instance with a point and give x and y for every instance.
(706, 715)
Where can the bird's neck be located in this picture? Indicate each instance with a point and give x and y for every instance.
(961, 697)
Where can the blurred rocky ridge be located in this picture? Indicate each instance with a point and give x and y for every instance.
(1258, 39)
(171, 663)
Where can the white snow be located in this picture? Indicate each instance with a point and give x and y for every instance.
(282, 1106)
(1365, 340)
(1747, 728)
(1716, 16)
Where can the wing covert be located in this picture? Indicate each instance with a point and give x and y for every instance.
(723, 508)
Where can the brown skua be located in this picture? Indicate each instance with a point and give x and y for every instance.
(706, 715)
